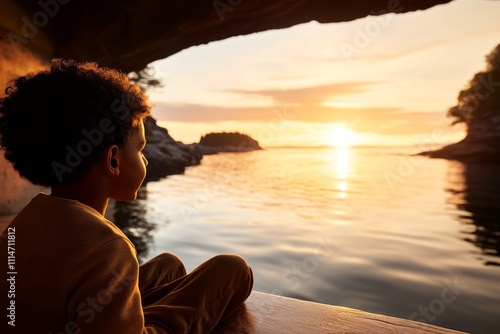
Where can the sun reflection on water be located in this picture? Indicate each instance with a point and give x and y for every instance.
(342, 162)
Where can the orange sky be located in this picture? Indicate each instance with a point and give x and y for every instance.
(388, 79)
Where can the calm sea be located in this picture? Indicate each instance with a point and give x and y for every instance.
(369, 228)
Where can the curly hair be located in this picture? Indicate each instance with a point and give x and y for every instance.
(54, 123)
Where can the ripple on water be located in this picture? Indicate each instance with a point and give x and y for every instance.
(331, 227)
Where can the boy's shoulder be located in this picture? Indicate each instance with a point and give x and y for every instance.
(61, 220)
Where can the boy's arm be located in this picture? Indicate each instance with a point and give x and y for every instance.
(103, 293)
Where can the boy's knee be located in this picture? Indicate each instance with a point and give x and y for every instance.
(237, 270)
(161, 269)
(232, 263)
(168, 257)
(169, 260)
(231, 260)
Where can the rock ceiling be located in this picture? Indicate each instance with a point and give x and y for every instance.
(129, 34)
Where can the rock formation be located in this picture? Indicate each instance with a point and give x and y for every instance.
(480, 145)
(213, 143)
(165, 155)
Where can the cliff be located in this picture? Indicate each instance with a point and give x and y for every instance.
(165, 155)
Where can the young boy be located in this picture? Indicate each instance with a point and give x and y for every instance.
(78, 129)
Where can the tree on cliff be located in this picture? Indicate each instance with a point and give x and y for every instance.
(145, 78)
(481, 98)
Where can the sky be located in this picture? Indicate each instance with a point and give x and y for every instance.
(386, 80)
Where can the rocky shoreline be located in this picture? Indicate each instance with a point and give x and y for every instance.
(466, 152)
(167, 156)
(482, 144)
(470, 149)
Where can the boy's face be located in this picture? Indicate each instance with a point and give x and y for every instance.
(132, 165)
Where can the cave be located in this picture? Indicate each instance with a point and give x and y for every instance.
(130, 34)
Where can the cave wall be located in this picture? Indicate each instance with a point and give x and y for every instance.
(14, 61)
(14, 191)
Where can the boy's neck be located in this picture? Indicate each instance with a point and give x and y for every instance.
(83, 193)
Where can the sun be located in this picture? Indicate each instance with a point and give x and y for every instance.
(341, 136)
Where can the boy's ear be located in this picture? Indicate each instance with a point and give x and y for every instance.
(110, 161)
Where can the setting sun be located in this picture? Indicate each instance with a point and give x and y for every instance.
(341, 136)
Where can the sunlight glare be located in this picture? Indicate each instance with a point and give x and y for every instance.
(341, 136)
(342, 170)
(342, 163)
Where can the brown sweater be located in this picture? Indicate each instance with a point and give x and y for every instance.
(75, 272)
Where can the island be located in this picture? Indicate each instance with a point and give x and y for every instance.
(167, 156)
(478, 107)
(217, 142)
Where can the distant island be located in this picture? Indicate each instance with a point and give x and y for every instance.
(167, 156)
(217, 142)
(478, 108)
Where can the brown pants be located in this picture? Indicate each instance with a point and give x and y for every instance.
(195, 302)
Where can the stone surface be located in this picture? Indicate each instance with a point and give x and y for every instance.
(270, 314)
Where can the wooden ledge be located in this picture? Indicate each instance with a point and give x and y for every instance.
(269, 314)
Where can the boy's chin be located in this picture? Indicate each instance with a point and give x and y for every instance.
(126, 197)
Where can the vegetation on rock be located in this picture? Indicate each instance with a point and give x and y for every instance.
(478, 108)
(481, 99)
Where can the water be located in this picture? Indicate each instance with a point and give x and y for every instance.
(368, 228)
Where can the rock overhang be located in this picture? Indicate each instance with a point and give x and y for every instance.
(130, 34)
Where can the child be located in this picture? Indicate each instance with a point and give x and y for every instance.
(78, 129)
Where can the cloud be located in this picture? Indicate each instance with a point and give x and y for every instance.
(310, 95)
(209, 114)
(403, 123)
(307, 105)
(379, 120)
